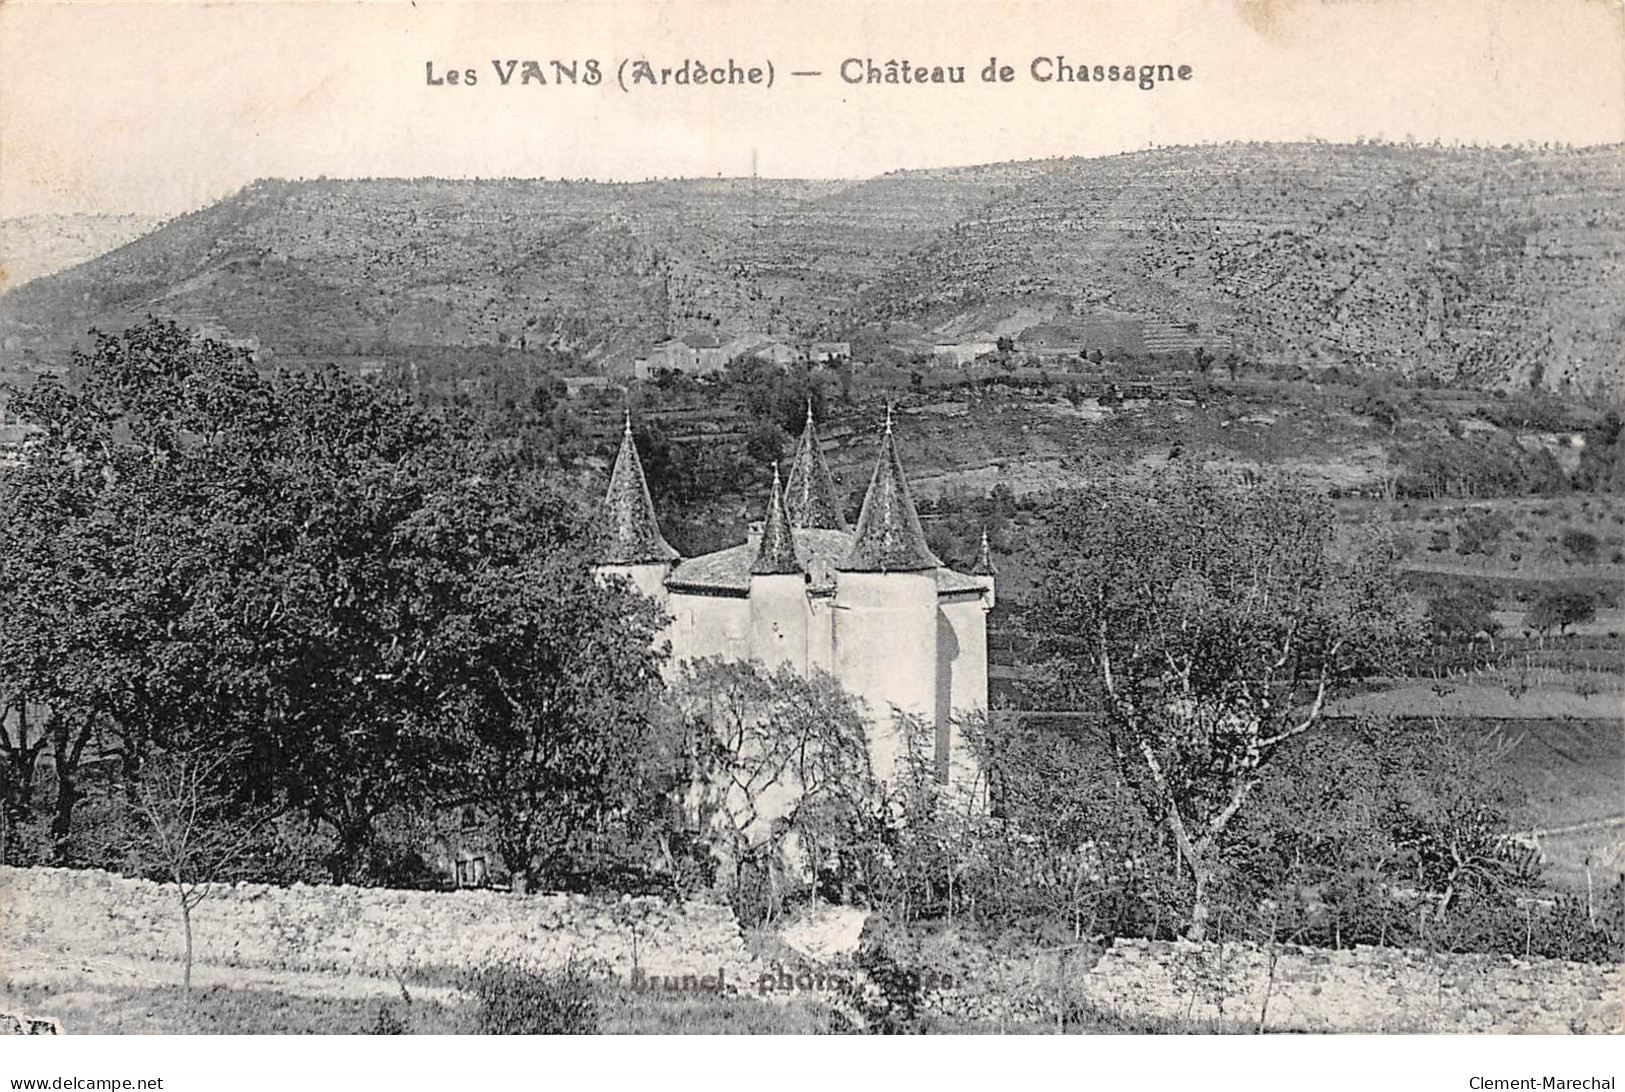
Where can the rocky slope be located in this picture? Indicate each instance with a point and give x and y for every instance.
(1487, 267)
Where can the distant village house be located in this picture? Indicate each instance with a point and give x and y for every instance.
(830, 352)
(961, 353)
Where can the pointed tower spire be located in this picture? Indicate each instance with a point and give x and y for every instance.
(889, 535)
(809, 494)
(631, 534)
(777, 555)
(984, 559)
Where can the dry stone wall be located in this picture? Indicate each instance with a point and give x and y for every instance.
(353, 930)
(85, 915)
(1360, 989)
(1197, 987)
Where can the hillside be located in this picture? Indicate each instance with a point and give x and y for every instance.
(600, 271)
(1487, 267)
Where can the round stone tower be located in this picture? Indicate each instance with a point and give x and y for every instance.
(778, 592)
(630, 542)
(886, 623)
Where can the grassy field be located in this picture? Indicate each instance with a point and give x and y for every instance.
(224, 1010)
(90, 1009)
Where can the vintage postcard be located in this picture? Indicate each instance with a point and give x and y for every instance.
(996, 518)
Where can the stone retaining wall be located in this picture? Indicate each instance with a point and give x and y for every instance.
(353, 930)
(1198, 987)
(349, 930)
(1360, 989)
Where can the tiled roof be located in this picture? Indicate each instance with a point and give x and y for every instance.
(777, 555)
(889, 537)
(809, 493)
(727, 571)
(629, 533)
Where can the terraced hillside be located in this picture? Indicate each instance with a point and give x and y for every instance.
(1487, 267)
(601, 271)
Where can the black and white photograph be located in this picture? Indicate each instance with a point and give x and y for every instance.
(993, 521)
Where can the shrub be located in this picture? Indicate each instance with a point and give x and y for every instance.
(515, 1001)
(387, 1023)
(1580, 545)
(1478, 533)
(892, 965)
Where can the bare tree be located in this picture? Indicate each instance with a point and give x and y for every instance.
(1210, 622)
(193, 831)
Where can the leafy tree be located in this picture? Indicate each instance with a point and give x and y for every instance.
(320, 623)
(548, 676)
(1602, 459)
(22, 742)
(1478, 532)
(1370, 820)
(1452, 826)
(1579, 544)
(96, 567)
(1463, 610)
(1212, 623)
(765, 444)
(1560, 608)
(1379, 401)
(308, 567)
(1063, 848)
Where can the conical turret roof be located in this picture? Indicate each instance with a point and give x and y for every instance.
(631, 534)
(984, 559)
(777, 555)
(809, 493)
(889, 537)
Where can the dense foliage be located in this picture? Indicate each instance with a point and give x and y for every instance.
(367, 602)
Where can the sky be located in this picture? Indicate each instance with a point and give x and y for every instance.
(162, 107)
